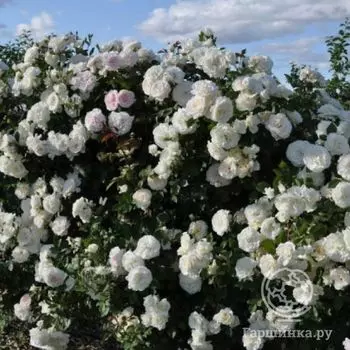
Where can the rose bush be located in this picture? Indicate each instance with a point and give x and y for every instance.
(146, 196)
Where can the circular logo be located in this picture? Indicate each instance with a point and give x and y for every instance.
(288, 293)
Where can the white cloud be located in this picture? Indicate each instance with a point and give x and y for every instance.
(241, 21)
(302, 51)
(39, 25)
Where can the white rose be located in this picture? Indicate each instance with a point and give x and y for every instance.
(92, 248)
(148, 247)
(51, 59)
(216, 151)
(249, 239)
(22, 190)
(260, 64)
(279, 126)
(197, 106)
(221, 221)
(22, 309)
(344, 128)
(224, 136)
(52, 203)
(60, 225)
(120, 122)
(115, 260)
(303, 294)
(53, 102)
(246, 102)
(198, 321)
(214, 178)
(322, 127)
(53, 276)
(222, 110)
(239, 126)
(205, 88)
(256, 213)
(198, 229)
(270, 228)
(268, 265)
(190, 284)
(252, 121)
(252, 341)
(142, 198)
(245, 268)
(31, 55)
(164, 134)
(139, 278)
(285, 252)
(83, 209)
(316, 158)
(340, 277)
(48, 339)
(337, 144)
(295, 152)
(343, 167)
(20, 255)
(226, 317)
(335, 246)
(181, 93)
(159, 89)
(130, 260)
(295, 117)
(156, 183)
(183, 122)
(341, 194)
(39, 114)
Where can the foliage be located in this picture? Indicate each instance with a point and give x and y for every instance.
(339, 84)
(13, 52)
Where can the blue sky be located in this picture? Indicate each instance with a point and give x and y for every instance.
(286, 30)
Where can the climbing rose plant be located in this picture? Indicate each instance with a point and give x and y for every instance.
(145, 197)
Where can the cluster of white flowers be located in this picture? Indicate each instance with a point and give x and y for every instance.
(257, 89)
(40, 211)
(22, 309)
(42, 338)
(11, 162)
(312, 76)
(58, 144)
(82, 208)
(201, 327)
(46, 272)
(132, 263)
(158, 81)
(194, 257)
(157, 312)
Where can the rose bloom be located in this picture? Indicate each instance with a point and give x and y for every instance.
(112, 100)
(126, 98)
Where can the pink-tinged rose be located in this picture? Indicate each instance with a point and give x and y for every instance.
(346, 344)
(25, 300)
(112, 100)
(95, 121)
(126, 98)
(113, 61)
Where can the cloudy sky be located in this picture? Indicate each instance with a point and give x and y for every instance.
(287, 30)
